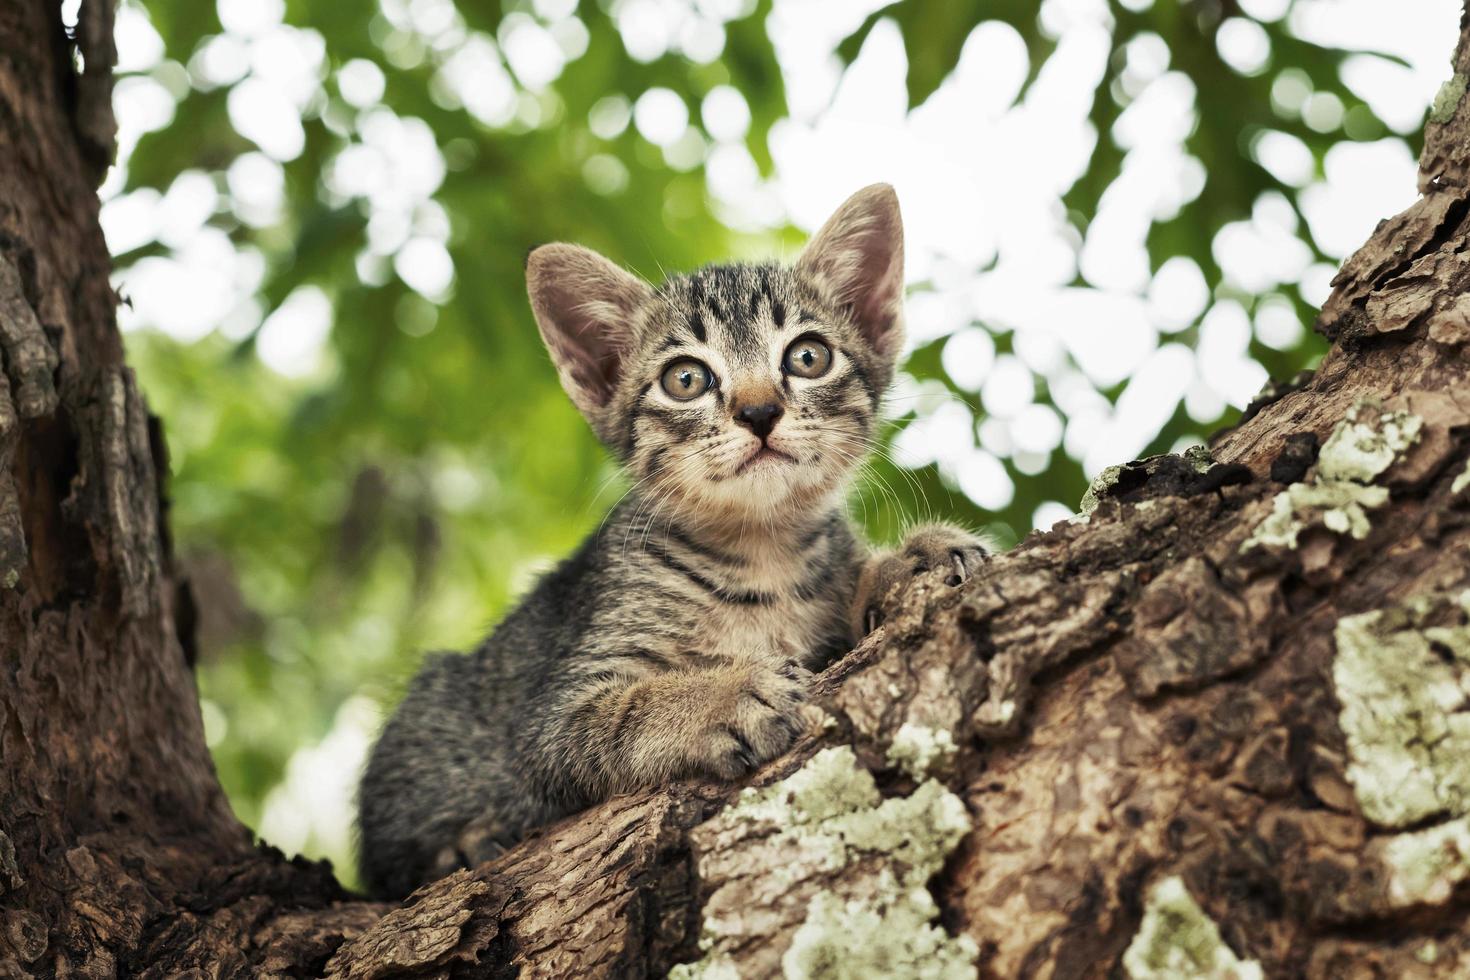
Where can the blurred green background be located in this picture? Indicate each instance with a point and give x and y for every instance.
(1121, 216)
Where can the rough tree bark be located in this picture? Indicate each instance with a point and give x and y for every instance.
(1218, 727)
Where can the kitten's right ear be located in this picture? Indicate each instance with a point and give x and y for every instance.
(584, 307)
(857, 258)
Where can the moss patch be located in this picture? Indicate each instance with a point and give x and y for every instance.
(1198, 458)
(1100, 485)
(1177, 941)
(1402, 675)
(1447, 99)
(1340, 494)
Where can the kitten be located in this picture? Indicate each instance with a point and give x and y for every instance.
(678, 640)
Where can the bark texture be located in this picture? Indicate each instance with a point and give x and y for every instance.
(1220, 727)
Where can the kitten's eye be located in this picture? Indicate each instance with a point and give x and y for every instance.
(686, 380)
(808, 358)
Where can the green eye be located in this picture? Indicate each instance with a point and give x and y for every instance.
(808, 358)
(686, 380)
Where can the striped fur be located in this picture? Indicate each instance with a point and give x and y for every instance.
(679, 638)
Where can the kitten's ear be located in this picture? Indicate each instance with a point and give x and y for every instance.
(857, 258)
(584, 307)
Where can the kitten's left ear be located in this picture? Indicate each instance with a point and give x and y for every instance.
(585, 307)
(857, 259)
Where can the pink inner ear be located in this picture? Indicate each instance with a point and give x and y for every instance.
(587, 345)
(585, 307)
(880, 298)
(858, 257)
(596, 376)
(867, 277)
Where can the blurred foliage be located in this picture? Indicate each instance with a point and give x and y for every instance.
(400, 496)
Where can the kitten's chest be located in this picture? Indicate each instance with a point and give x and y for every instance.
(782, 610)
(779, 601)
(784, 629)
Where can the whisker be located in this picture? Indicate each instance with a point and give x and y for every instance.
(663, 491)
(943, 396)
(883, 452)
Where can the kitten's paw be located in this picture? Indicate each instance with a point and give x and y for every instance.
(955, 551)
(759, 721)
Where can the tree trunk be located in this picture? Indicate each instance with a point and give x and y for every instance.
(1219, 727)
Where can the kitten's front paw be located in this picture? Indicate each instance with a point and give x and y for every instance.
(944, 546)
(759, 721)
(955, 551)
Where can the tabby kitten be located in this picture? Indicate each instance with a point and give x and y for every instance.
(678, 640)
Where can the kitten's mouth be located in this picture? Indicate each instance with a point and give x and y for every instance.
(762, 455)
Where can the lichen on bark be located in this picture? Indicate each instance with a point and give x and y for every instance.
(1402, 677)
(1178, 941)
(1426, 865)
(892, 935)
(1462, 480)
(829, 821)
(1362, 446)
(1447, 99)
(921, 751)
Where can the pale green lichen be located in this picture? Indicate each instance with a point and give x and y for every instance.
(921, 751)
(1100, 485)
(1402, 685)
(1178, 941)
(714, 966)
(1364, 444)
(1341, 506)
(993, 716)
(1425, 866)
(832, 812)
(891, 936)
(1462, 481)
(1447, 99)
(830, 783)
(1198, 457)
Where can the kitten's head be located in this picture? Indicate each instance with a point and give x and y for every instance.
(739, 393)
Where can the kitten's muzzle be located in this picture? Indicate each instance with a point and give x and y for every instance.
(764, 453)
(760, 419)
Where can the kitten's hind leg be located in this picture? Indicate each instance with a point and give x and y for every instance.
(481, 840)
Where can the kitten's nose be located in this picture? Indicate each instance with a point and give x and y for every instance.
(760, 419)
